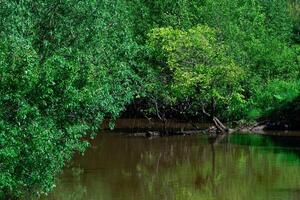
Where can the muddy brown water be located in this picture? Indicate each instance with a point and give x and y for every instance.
(238, 167)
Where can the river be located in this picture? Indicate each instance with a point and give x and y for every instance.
(236, 167)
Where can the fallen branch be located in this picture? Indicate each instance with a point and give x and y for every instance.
(219, 125)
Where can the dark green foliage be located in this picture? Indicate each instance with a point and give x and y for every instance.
(276, 94)
(256, 32)
(154, 14)
(294, 8)
(64, 67)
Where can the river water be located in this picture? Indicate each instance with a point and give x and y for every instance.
(235, 167)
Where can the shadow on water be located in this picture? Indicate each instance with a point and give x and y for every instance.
(238, 166)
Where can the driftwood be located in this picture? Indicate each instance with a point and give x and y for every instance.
(219, 125)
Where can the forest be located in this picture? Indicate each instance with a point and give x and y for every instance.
(68, 65)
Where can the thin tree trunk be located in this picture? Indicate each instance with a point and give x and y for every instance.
(219, 125)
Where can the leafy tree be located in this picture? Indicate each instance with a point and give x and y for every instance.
(154, 14)
(201, 69)
(256, 35)
(276, 95)
(64, 67)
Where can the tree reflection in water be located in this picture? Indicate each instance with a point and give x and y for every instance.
(181, 168)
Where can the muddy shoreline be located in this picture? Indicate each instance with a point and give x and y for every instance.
(139, 127)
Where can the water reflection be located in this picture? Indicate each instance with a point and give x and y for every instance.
(193, 167)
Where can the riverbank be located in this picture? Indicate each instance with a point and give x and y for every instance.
(155, 127)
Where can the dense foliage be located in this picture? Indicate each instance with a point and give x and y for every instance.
(202, 72)
(66, 65)
(254, 45)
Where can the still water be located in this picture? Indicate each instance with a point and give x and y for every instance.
(236, 167)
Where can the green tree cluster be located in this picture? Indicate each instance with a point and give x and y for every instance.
(245, 68)
(64, 67)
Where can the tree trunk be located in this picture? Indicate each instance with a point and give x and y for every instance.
(219, 125)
